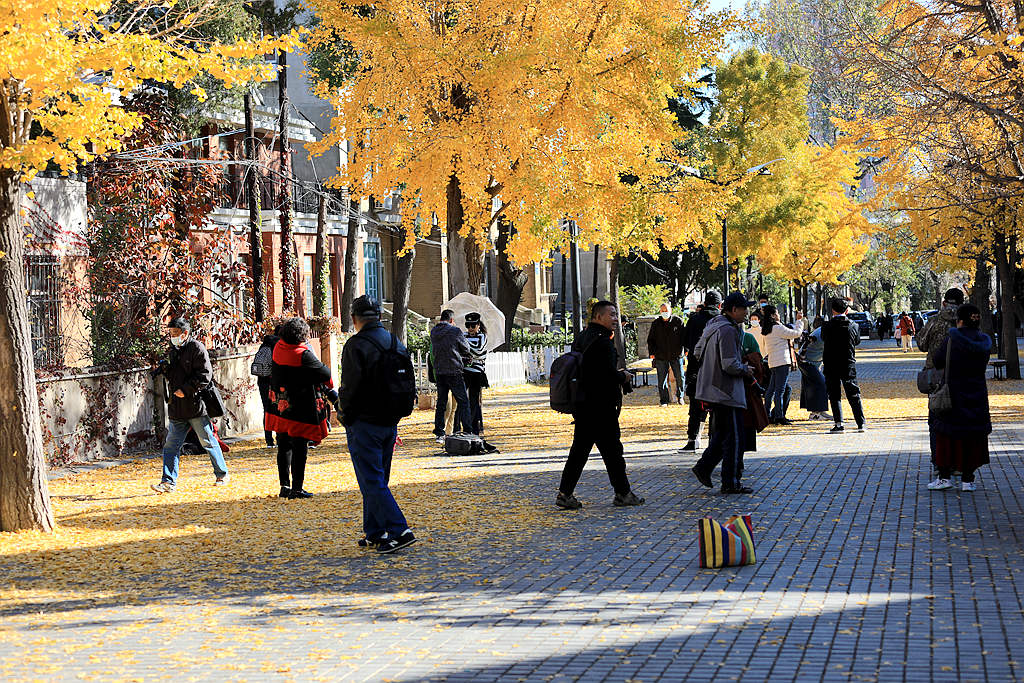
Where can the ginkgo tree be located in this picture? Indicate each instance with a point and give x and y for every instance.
(521, 111)
(64, 68)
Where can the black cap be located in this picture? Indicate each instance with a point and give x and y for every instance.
(472, 318)
(954, 295)
(737, 300)
(180, 323)
(713, 298)
(366, 307)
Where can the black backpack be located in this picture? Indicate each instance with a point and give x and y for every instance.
(564, 381)
(395, 379)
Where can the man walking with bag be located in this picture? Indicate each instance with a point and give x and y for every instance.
(665, 346)
(720, 384)
(188, 373)
(377, 389)
(695, 326)
(839, 339)
(596, 415)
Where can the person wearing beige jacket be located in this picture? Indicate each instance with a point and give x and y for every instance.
(777, 350)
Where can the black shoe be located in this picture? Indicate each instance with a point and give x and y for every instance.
(838, 429)
(692, 445)
(301, 493)
(736, 489)
(621, 501)
(390, 545)
(370, 543)
(285, 492)
(783, 421)
(861, 427)
(702, 477)
(567, 502)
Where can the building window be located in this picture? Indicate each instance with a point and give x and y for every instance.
(42, 275)
(371, 269)
(308, 271)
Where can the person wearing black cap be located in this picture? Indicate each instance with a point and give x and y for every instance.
(720, 384)
(476, 370)
(839, 340)
(695, 326)
(187, 372)
(370, 414)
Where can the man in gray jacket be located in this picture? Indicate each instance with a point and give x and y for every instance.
(720, 385)
(449, 353)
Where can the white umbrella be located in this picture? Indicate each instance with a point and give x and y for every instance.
(492, 317)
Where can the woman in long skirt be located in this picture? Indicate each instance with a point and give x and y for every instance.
(813, 395)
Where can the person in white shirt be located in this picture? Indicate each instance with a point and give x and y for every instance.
(777, 349)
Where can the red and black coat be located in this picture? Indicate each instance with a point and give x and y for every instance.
(298, 384)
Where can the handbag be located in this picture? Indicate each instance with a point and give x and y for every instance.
(261, 363)
(726, 545)
(940, 401)
(213, 401)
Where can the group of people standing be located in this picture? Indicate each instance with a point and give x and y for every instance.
(457, 364)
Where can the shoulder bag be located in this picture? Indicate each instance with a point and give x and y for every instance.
(940, 401)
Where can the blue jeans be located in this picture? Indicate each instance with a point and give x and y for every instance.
(776, 391)
(372, 447)
(663, 366)
(176, 433)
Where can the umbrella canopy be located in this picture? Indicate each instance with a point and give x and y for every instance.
(490, 314)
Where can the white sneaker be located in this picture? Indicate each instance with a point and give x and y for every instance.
(814, 416)
(968, 486)
(663, 405)
(163, 487)
(222, 481)
(439, 440)
(940, 485)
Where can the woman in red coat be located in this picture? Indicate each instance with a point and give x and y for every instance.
(299, 411)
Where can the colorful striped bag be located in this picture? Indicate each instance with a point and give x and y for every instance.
(726, 545)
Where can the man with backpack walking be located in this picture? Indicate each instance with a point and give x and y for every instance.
(378, 388)
(691, 335)
(595, 409)
(720, 384)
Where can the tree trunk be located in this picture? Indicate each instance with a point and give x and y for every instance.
(465, 258)
(322, 272)
(259, 286)
(613, 287)
(1008, 331)
(288, 275)
(981, 293)
(24, 493)
(597, 261)
(348, 292)
(511, 281)
(403, 282)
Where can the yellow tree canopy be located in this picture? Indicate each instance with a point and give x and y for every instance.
(542, 104)
(65, 65)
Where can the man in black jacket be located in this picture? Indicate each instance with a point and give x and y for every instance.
(691, 335)
(839, 362)
(596, 418)
(450, 352)
(187, 372)
(371, 427)
(665, 346)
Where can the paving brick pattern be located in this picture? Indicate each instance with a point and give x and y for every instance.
(862, 575)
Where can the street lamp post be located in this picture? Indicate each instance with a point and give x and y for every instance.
(725, 256)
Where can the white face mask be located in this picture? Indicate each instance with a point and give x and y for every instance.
(178, 341)
(666, 314)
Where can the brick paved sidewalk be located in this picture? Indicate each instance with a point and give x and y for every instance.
(862, 575)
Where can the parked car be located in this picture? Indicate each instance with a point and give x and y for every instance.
(864, 322)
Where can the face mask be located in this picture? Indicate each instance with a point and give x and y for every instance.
(178, 341)
(666, 314)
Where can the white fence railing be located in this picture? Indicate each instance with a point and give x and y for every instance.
(504, 368)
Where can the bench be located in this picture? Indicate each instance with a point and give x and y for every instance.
(998, 369)
(638, 372)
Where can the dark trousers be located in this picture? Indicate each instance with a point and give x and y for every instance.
(600, 429)
(291, 460)
(663, 366)
(372, 448)
(726, 445)
(263, 383)
(474, 387)
(456, 384)
(834, 383)
(696, 419)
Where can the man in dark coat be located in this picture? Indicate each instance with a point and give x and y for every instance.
(839, 339)
(596, 417)
(371, 427)
(665, 346)
(450, 352)
(187, 372)
(691, 335)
